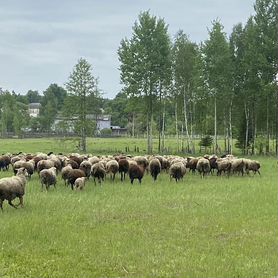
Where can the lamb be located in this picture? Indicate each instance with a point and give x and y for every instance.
(98, 172)
(177, 171)
(75, 174)
(5, 161)
(13, 187)
(136, 172)
(203, 166)
(79, 183)
(112, 167)
(48, 177)
(155, 168)
(123, 167)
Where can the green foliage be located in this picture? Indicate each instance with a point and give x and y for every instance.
(206, 141)
(82, 98)
(106, 131)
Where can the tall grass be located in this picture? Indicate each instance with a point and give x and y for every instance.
(211, 227)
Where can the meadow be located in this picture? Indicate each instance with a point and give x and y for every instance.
(211, 227)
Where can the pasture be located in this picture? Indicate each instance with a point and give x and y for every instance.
(211, 227)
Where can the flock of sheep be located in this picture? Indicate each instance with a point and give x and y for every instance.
(76, 169)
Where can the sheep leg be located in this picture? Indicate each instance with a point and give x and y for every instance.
(1, 204)
(114, 176)
(131, 180)
(11, 204)
(20, 202)
(121, 176)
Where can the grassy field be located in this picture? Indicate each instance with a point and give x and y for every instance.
(97, 145)
(212, 227)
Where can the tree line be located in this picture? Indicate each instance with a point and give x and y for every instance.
(223, 86)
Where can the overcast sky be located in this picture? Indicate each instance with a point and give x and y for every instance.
(41, 41)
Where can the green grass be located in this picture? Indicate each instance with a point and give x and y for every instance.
(95, 145)
(212, 227)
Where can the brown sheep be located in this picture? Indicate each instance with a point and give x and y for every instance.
(155, 168)
(73, 175)
(48, 177)
(192, 164)
(136, 172)
(5, 161)
(123, 167)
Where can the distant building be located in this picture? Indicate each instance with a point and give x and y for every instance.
(34, 109)
(103, 121)
(118, 131)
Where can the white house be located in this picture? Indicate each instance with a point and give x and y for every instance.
(34, 109)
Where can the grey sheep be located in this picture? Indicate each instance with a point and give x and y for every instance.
(177, 171)
(65, 173)
(98, 172)
(44, 164)
(252, 165)
(28, 165)
(13, 187)
(223, 165)
(203, 166)
(112, 167)
(48, 177)
(86, 166)
(237, 166)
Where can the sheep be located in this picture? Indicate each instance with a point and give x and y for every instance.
(203, 166)
(252, 165)
(212, 162)
(44, 164)
(237, 165)
(223, 165)
(5, 161)
(86, 166)
(141, 161)
(74, 174)
(155, 168)
(65, 173)
(136, 172)
(192, 164)
(93, 160)
(73, 163)
(98, 172)
(177, 171)
(79, 183)
(112, 167)
(13, 187)
(77, 158)
(123, 167)
(28, 165)
(48, 177)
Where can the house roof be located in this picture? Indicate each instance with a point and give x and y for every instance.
(34, 105)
